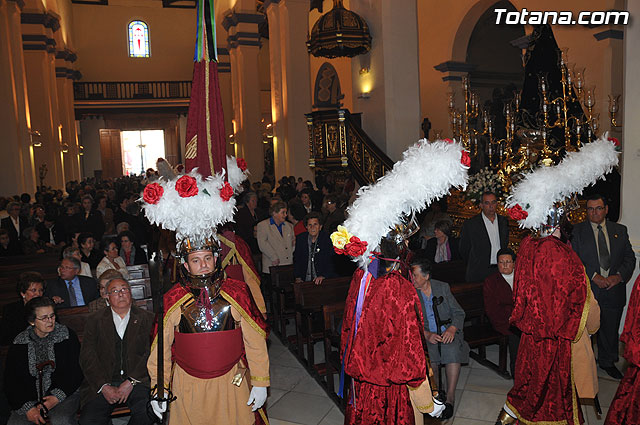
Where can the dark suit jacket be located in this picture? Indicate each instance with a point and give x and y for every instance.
(324, 256)
(93, 224)
(623, 259)
(432, 246)
(475, 246)
(245, 224)
(7, 224)
(98, 357)
(58, 233)
(58, 287)
(498, 302)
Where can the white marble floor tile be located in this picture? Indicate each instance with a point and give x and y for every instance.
(591, 418)
(301, 408)
(606, 391)
(486, 380)
(274, 421)
(480, 406)
(285, 358)
(284, 377)
(275, 394)
(309, 385)
(464, 375)
(465, 421)
(334, 417)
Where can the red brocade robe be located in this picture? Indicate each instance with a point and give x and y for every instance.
(625, 407)
(386, 360)
(550, 308)
(209, 397)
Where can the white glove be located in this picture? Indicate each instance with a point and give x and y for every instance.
(258, 396)
(438, 408)
(159, 407)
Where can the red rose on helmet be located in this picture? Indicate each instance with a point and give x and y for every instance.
(448, 140)
(615, 142)
(465, 159)
(187, 186)
(517, 213)
(242, 164)
(226, 192)
(355, 247)
(338, 250)
(152, 193)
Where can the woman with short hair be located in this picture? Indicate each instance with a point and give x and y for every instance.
(112, 259)
(130, 252)
(30, 285)
(44, 341)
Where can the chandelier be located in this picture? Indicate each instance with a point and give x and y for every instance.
(339, 33)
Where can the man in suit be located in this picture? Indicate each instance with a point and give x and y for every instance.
(497, 291)
(14, 224)
(114, 355)
(482, 237)
(605, 250)
(52, 235)
(314, 254)
(70, 289)
(276, 238)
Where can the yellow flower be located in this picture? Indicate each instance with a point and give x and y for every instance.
(340, 237)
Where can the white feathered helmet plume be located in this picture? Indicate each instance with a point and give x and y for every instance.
(540, 199)
(426, 172)
(191, 205)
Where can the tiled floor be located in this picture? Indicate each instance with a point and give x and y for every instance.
(296, 398)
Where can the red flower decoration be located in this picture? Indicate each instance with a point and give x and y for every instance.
(187, 186)
(355, 247)
(242, 164)
(152, 193)
(517, 213)
(465, 159)
(226, 192)
(338, 250)
(448, 140)
(615, 141)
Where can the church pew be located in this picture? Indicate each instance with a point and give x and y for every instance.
(332, 315)
(282, 278)
(309, 299)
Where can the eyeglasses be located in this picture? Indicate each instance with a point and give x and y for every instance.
(592, 209)
(122, 291)
(67, 268)
(52, 316)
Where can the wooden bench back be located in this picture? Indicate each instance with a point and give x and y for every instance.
(12, 267)
(469, 296)
(450, 271)
(308, 294)
(281, 276)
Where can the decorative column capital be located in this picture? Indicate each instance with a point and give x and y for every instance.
(242, 28)
(19, 3)
(454, 70)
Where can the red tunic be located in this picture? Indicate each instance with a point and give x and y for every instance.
(387, 352)
(550, 308)
(625, 407)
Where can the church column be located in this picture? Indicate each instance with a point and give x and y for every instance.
(39, 59)
(290, 85)
(244, 45)
(16, 163)
(391, 112)
(64, 84)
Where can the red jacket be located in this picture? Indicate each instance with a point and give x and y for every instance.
(498, 302)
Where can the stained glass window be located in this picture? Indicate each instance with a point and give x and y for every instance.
(138, 39)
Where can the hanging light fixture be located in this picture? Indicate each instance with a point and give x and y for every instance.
(339, 33)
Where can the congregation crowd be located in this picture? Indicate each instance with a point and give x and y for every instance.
(98, 231)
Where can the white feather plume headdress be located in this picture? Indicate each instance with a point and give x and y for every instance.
(426, 172)
(533, 198)
(194, 206)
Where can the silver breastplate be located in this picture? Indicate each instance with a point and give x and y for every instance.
(198, 317)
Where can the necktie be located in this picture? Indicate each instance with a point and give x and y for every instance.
(603, 251)
(73, 301)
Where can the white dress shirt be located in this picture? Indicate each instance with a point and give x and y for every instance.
(494, 237)
(121, 322)
(509, 279)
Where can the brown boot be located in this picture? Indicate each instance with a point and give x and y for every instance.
(504, 418)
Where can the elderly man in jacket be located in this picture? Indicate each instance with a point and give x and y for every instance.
(114, 357)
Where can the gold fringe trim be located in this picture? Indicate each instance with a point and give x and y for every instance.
(169, 312)
(526, 422)
(244, 314)
(585, 310)
(427, 407)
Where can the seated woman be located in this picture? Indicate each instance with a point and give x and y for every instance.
(30, 285)
(87, 244)
(112, 259)
(443, 247)
(446, 345)
(32, 243)
(43, 341)
(130, 252)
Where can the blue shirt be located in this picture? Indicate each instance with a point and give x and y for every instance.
(427, 308)
(78, 290)
(278, 226)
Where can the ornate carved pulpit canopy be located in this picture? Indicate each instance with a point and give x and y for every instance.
(339, 33)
